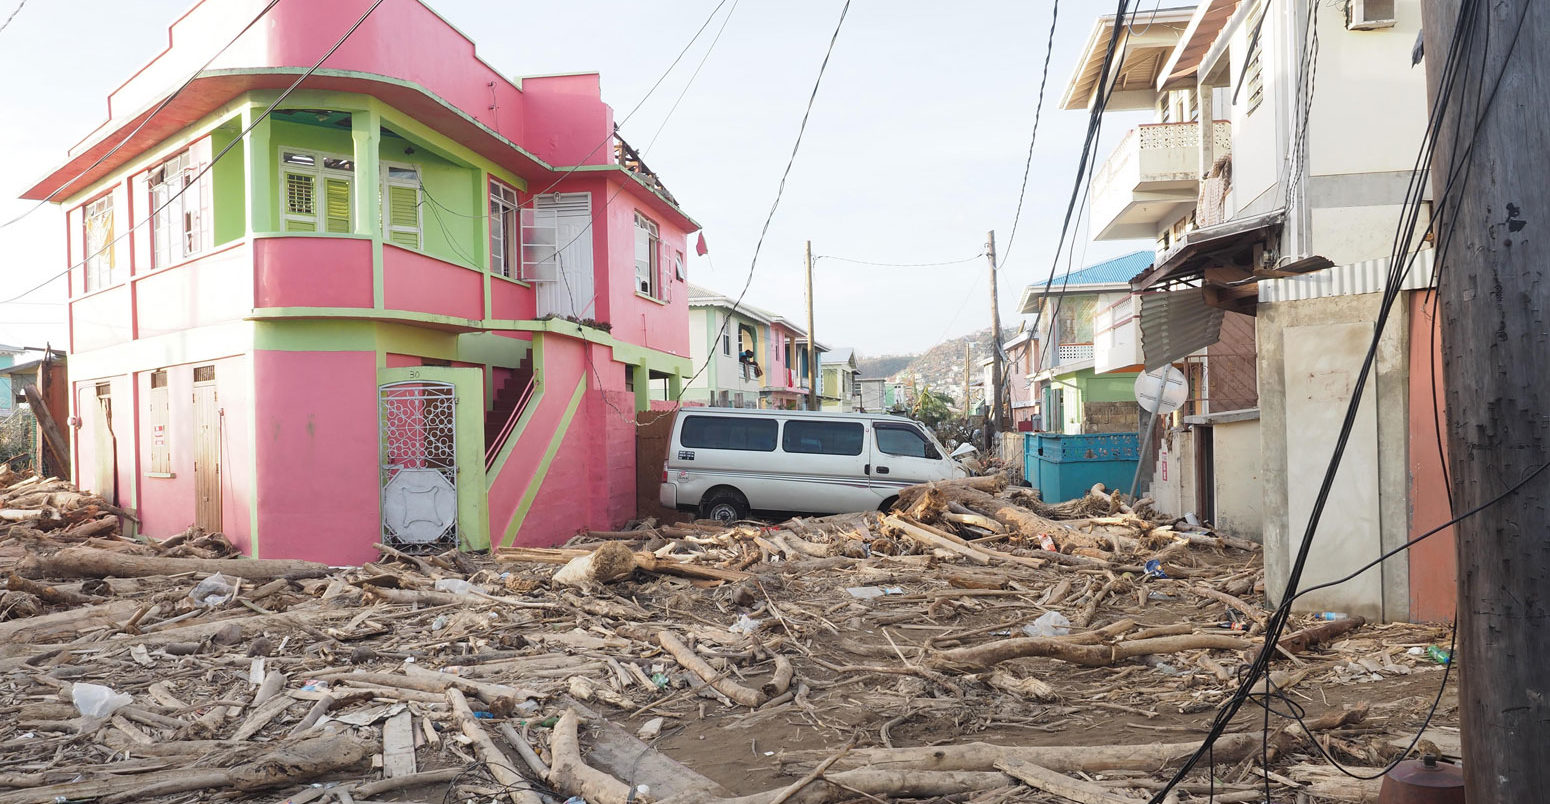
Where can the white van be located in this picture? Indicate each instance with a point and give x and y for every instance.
(725, 462)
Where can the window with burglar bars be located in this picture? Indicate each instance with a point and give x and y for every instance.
(158, 410)
(505, 242)
(180, 211)
(315, 192)
(98, 223)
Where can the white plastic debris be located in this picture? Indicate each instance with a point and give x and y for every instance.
(95, 700)
(456, 586)
(213, 591)
(869, 592)
(745, 625)
(650, 729)
(1049, 624)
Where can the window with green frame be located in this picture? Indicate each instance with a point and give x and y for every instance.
(315, 192)
(401, 205)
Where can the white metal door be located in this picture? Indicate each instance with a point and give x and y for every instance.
(557, 245)
(418, 423)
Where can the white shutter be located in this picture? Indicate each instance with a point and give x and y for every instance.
(568, 291)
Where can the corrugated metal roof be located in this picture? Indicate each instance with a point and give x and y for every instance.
(1176, 324)
(1117, 271)
(1368, 276)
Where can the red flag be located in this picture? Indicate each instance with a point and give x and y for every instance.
(699, 248)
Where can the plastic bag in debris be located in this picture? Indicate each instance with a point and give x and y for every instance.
(1050, 623)
(213, 591)
(95, 700)
(745, 625)
(456, 586)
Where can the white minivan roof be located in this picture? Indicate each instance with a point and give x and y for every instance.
(816, 414)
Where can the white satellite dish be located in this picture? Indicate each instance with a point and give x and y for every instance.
(1162, 390)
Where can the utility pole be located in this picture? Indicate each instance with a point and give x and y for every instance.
(812, 342)
(968, 351)
(993, 395)
(1494, 291)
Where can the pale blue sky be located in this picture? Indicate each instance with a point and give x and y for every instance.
(914, 150)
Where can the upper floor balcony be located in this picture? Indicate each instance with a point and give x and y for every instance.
(1151, 177)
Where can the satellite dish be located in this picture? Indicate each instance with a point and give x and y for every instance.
(1162, 390)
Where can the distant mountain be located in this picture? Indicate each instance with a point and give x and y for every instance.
(883, 365)
(938, 369)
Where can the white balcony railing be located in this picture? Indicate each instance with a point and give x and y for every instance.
(1073, 352)
(1153, 172)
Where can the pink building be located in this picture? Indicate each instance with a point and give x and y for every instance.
(415, 302)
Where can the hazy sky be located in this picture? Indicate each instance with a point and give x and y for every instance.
(914, 150)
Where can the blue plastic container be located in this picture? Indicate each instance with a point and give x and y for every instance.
(1064, 467)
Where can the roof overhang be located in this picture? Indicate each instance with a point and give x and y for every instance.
(1211, 16)
(121, 144)
(1144, 45)
(1033, 294)
(1239, 243)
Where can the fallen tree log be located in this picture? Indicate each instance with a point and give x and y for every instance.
(1323, 632)
(517, 788)
(88, 562)
(569, 774)
(718, 681)
(647, 561)
(1079, 790)
(1060, 758)
(293, 763)
(870, 782)
(981, 657)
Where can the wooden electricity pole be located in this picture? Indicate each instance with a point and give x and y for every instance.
(993, 394)
(1494, 292)
(812, 342)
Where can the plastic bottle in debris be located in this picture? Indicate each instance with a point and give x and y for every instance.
(1046, 542)
(1331, 615)
(1438, 655)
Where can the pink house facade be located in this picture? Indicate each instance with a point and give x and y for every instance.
(413, 303)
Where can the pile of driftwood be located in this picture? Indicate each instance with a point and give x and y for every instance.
(697, 662)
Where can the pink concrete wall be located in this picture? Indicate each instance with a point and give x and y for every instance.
(1433, 563)
(401, 38)
(634, 319)
(166, 504)
(101, 319)
(213, 289)
(415, 282)
(509, 300)
(318, 493)
(311, 272)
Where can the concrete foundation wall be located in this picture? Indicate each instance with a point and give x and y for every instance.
(1310, 353)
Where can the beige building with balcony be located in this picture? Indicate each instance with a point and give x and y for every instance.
(1271, 183)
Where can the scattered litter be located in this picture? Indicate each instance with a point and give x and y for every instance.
(95, 700)
(456, 586)
(650, 729)
(1049, 624)
(745, 625)
(213, 591)
(869, 592)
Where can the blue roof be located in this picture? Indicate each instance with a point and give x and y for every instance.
(1117, 271)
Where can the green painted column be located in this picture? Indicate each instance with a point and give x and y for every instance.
(258, 173)
(642, 375)
(675, 387)
(366, 129)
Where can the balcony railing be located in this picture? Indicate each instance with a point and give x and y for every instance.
(1073, 352)
(1153, 172)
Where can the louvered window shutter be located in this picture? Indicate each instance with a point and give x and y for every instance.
(337, 205)
(300, 208)
(404, 216)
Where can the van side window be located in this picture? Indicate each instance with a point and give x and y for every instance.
(824, 438)
(729, 432)
(900, 439)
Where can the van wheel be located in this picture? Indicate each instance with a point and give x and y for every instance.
(888, 504)
(726, 505)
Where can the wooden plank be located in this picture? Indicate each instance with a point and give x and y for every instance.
(614, 750)
(398, 745)
(207, 459)
(53, 440)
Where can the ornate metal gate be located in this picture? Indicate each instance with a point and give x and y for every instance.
(417, 420)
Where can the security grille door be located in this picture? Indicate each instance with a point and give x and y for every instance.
(418, 423)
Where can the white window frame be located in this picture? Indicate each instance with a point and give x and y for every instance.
(318, 171)
(181, 225)
(100, 256)
(1369, 15)
(389, 180)
(648, 239)
(505, 231)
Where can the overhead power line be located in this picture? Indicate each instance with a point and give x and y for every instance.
(978, 256)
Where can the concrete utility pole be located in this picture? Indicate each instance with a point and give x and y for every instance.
(812, 342)
(1495, 294)
(993, 395)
